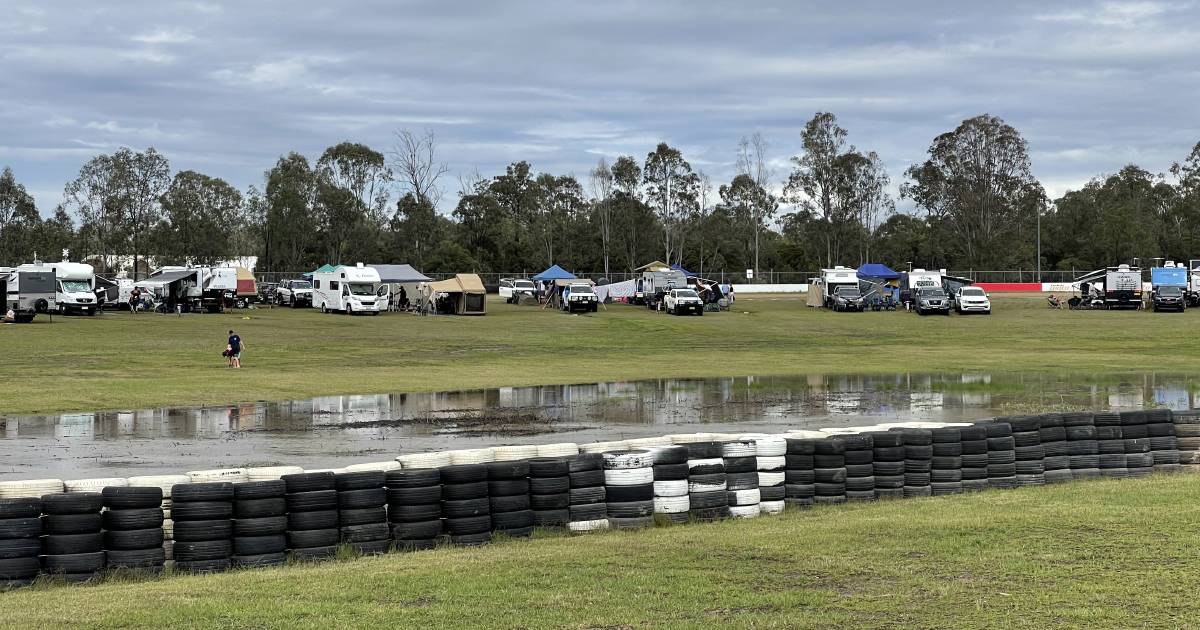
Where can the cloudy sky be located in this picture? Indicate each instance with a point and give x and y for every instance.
(226, 88)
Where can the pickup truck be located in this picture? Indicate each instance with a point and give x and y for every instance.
(683, 301)
(931, 300)
(579, 297)
(294, 293)
(512, 290)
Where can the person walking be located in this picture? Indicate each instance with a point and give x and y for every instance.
(134, 299)
(235, 350)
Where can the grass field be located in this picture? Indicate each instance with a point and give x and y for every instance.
(122, 361)
(1097, 554)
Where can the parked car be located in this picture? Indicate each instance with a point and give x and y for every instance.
(683, 301)
(972, 300)
(580, 297)
(512, 290)
(931, 300)
(1168, 298)
(294, 293)
(847, 298)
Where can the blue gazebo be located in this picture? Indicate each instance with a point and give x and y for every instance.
(554, 272)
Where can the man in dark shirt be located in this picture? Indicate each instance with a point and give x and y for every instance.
(235, 350)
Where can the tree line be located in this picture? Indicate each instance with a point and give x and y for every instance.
(977, 206)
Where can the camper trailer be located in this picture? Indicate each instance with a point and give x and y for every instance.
(347, 290)
(28, 292)
(653, 285)
(1123, 287)
(917, 279)
(836, 282)
(75, 286)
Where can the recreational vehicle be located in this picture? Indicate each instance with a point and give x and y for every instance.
(27, 292)
(347, 290)
(75, 286)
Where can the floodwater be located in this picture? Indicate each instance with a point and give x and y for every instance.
(334, 431)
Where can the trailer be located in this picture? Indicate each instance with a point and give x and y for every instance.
(838, 289)
(654, 284)
(75, 286)
(1193, 284)
(912, 281)
(28, 292)
(348, 290)
(1111, 288)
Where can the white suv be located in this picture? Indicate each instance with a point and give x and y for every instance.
(972, 300)
(513, 289)
(580, 297)
(681, 301)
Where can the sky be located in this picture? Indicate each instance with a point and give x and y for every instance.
(227, 88)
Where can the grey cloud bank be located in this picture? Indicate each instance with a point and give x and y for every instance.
(225, 88)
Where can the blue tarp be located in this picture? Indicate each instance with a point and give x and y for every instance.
(686, 273)
(876, 270)
(555, 273)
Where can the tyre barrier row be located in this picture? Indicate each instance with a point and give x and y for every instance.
(215, 525)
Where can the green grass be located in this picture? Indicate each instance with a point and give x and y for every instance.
(121, 361)
(1095, 554)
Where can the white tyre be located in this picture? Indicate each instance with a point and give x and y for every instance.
(771, 507)
(623, 460)
(696, 486)
(803, 433)
(744, 511)
(166, 482)
(600, 447)
(588, 526)
(562, 449)
(771, 446)
(30, 488)
(515, 453)
(94, 485)
(685, 438)
(471, 456)
(424, 460)
(712, 461)
(336, 471)
(672, 505)
(770, 479)
(772, 463)
(672, 488)
(380, 466)
(268, 473)
(649, 442)
(739, 448)
(744, 497)
(231, 475)
(629, 476)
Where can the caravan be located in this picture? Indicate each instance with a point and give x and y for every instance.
(75, 286)
(27, 292)
(347, 289)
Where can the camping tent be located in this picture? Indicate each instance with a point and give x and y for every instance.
(656, 265)
(463, 294)
(877, 271)
(554, 272)
(393, 277)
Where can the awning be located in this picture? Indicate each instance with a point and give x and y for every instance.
(685, 272)
(656, 265)
(399, 274)
(876, 270)
(166, 277)
(555, 273)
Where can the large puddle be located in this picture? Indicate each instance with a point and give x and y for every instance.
(334, 431)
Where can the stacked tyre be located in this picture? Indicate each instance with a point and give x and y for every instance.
(945, 474)
(166, 483)
(740, 458)
(588, 509)
(799, 480)
(259, 523)
(629, 488)
(73, 547)
(312, 515)
(1002, 466)
(708, 497)
(414, 507)
(362, 515)
(1028, 451)
(550, 490)
(888, 465)
(20, 541)
(1110, 445)
(860, 467)
(1083, 432)
(203, 514)
(1138, 459)
(918, 462)
(509, 488)
(1053, 435)
(133, 532)
(772, 462)
(1160, 430)
(465, 504)
(671, 484)
(1187, 436)
(974, 458)
(829, 470)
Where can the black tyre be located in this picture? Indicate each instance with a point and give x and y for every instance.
(263, 560)
(630, 509)
(585, 461)
(414, 513)
(418, 530)
(509, 503)
(203, 566)
(584, 496)
(188, 492)
(258, 545)
(201, 510)
(359, 499)
(202, 550)
(703, 450)
(372, 547)
(136, 558)
(72, 503)
(464, 473)
(550, 501)
(741, 464)
(305, 554)
(471, 540)
(133, 539)
(259, 508)
(801, 477)
(30, 527)
(468, 525)
(742, 481)
(518, 469)
(798, 462)
(831, 461)
(414, 495)
(830, 475)
(416, 545)
(195, 531)
(801, 446)
(670, 455)
(592, 512)
(507, 487)
(625, 494)
(551, 518)
(549, 485)
(512, 520)
(69, 524)
(413, 478)
(132, 497)
(667, 472)
(465, 508)
(361, 480)
(303, 539)
(270, 489)
(320, 519)
(74, 563)
(19, 568)
(265, 526)
(23, 547)
(311, 500)
(362, 516)
(595, 477)
(462, 491)
(309, 482)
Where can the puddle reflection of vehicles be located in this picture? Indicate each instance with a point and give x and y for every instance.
(931, 300)
(683, 301)
(972, 300)
(513, 290)
(579, 297)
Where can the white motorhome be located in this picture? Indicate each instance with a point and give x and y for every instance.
(348, 290)
(75, 285)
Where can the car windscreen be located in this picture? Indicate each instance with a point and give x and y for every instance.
(687, 294)
(360, 288)
(523, 284)
(848, 291)
(582, 290)
(76, 286)
(933, 293)
(973, 292)
(302, 285)
(1170, 291)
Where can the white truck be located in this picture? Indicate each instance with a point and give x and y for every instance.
(294, 293)
(75, 286)
(348, 290)
(579, 296)
(513, 289)
(683, 301)
(28, 292)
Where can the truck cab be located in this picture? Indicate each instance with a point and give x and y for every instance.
(294, 293)
(683, 301)
(847, 298)
(513, 289)
(579, 296)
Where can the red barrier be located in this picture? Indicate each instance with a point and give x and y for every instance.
(1009, 287)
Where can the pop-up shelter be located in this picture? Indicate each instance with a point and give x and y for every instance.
(554, 272)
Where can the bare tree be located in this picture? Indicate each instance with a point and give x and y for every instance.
(752, 162)
(413, 159)
(470, 182)
(600, 181)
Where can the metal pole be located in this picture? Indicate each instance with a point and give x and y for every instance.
(1039, 245)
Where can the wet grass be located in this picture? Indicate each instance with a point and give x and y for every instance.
(1086, 554)
(120, 361)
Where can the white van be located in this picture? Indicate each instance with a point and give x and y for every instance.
(75, 287)
(349, 290)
